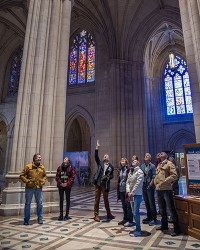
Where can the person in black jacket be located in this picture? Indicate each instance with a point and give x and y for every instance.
(101, 181)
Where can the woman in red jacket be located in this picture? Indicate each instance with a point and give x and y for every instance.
(65, 178)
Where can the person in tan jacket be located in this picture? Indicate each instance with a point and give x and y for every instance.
(165, 175)
(34, 175)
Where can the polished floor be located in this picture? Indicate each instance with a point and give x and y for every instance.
(82, 232)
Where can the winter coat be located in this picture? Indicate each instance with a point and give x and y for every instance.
(99, 178)
(134, 181)
(34, 176)
(65, 175)
(165, 175)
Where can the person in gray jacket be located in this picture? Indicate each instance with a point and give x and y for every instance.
(134, 186)
(149, 190)
(101, 181)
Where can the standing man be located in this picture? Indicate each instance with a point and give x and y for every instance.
(34, 176)
(148, 190)
(101, 181)
(165, 175)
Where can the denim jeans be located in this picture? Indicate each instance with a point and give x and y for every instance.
(166, 203)
(126, 206)
(28, 197)
(136, 211)
(149, 199)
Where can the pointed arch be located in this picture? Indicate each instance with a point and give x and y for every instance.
(185, 136)
(79, 111)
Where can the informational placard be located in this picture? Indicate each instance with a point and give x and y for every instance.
(192, 155)
(80, 162)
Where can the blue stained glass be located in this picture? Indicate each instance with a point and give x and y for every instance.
(169, 93)
(187, 91)
(180, 109)
(181, 69)
(170, 101)
(15, 70)
(188, 100)
(177, 88)
(168, 83)
(82, 59)
(179, 92)
(171, 110)
(189, 109)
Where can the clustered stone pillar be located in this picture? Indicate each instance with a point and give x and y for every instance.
(40, 115)
(129, 124)
(190, 17)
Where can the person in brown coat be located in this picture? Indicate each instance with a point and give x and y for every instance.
(165, 175)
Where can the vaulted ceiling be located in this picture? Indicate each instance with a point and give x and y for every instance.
(127, 23)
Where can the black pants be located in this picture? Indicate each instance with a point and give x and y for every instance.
(149, 199)
(166, 201)
(128, 214)
(67, 192)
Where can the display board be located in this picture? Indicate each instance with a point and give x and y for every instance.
(80, 162)
(192, 162)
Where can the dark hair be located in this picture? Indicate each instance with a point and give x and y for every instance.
(35, 155)
(136, 157)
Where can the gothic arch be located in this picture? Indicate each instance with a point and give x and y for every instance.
(139, 39)
(79, 111)
(183, 136)
(79, 118)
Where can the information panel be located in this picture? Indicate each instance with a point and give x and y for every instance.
(192, 156)
(80, 162)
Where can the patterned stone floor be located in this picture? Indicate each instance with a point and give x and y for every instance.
(82, 232)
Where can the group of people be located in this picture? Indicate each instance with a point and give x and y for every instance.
(34, 175)
(134, 183)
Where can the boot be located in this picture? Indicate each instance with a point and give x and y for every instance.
(110, 216)
(96, 218)
(60, 217)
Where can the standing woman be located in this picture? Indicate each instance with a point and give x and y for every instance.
(121, 193)
(134, 185)
(65, 178)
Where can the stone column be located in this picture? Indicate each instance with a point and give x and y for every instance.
(41, 100)
(129, 124)
(191, 31)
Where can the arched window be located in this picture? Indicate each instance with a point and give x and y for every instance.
(177, 89)
(16, 62)
(82, 59)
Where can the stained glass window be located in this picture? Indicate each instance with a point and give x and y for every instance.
(177, 89)
(82, 59)
(16, 63)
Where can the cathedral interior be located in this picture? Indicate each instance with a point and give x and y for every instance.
(124, 72)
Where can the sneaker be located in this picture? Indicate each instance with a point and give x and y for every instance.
(122, 222)
(110, 216)
(135, 234)
(152, 222)
(40, 221)
(146, 220)
(26, 223)
(129, 224)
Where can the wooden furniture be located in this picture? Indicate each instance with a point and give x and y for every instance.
(188, 209)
